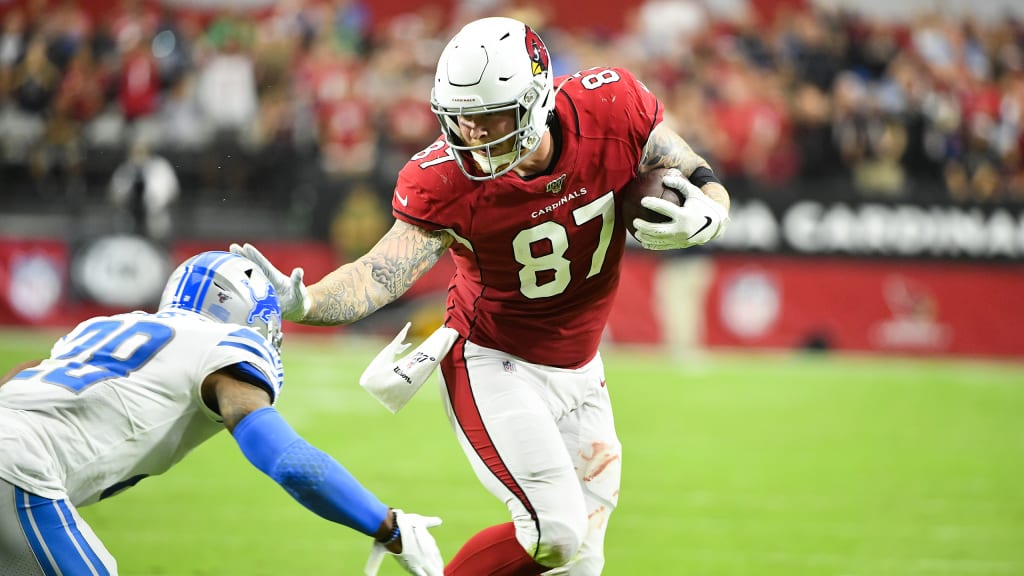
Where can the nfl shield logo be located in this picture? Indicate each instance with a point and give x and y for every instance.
(508, 366)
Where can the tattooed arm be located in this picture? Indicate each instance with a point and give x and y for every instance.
(378, 278)
(666, 149)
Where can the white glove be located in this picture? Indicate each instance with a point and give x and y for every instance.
(420, 554)
(394, 382)
(700, 219)
(291, 292)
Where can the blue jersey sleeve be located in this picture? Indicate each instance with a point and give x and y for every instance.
(256, 361)
(308, 474)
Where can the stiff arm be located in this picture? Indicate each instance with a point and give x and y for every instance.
(357, 289)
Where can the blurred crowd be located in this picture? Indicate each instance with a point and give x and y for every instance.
(928, 109)
(315, 99)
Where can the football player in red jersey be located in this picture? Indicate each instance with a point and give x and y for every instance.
(523, 187)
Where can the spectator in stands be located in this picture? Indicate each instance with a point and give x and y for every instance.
(409, 125)
(1010, 134)
(944, 90)
(131, 19)
(32, 138)
(68, 29)
(35, 80)
(347, 137)
(226, 82)
(12, 48)
(812, 133)
(171, 47)
(83, 89)
(182, 124)
(227, 94)
(350, 23)
(976, 174)
(139, 79)
(812, 49)
(144, 188)
(749, 112)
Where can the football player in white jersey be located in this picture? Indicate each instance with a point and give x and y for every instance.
(124, 397)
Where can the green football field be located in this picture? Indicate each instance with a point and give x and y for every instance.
(735, 464)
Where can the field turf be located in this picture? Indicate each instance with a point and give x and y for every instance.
(735, 465)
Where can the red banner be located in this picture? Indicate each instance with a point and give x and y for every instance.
(879, 306)
(36, 288)
(718, 300)
(634, 317)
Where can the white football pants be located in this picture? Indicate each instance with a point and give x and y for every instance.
(44, 537)
(543, 441)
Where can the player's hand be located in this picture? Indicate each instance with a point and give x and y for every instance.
(420, 554)
(699, 220)
(291, 292)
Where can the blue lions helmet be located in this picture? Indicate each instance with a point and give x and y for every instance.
(226, 288)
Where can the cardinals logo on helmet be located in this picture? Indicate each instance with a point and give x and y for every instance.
(538, 53)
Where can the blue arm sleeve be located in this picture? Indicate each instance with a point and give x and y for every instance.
(311, 476)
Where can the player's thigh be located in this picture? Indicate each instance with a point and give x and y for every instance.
(16, 556)
(43, 536)
(598, 453)
(508, 431)
(589, 434)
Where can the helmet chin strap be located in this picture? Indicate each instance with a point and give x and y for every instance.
(491, 164)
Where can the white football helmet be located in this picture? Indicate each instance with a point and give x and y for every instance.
(494, 65)
(226, 288)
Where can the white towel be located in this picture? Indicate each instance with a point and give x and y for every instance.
(394, 382)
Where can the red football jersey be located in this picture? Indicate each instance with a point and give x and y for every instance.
(538, 258)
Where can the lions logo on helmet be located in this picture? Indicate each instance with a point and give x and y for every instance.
(227, 288)
(265, 307)
(537, 51)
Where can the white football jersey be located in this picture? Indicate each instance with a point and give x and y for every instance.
(120, 399)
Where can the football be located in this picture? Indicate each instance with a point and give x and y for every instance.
(648, 184)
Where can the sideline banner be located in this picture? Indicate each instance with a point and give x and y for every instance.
(904, 307)
(875, 229)
(48, 283)
(688, 302)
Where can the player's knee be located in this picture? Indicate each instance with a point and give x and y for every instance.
(560, 540)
